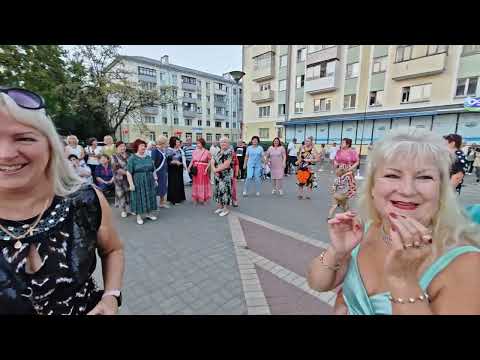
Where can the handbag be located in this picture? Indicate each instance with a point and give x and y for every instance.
(193, 169)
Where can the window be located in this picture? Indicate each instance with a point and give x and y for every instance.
(234, 125)
(199, 109)
(226, 89)
(380, 64)
(163, 106)
(207, 85)
(264, 111)
(164, 120)
(283, 60)
(466, 86)
(300, 81)
(208, 123)
(219, 110)
(320, 70)
(436, 49)
(282, 85)
(175, 107)
(218, 137)
(165, 133)
(198, 136)
(188, 122)
(470, 49)
(262, 61)
(208, 98)
(315, 48)
(199, 122)
(352, 70)
(299, 107)
(416, 93)
(234, 114)
(175, 121)
(301, 55)
(227, 124)
(404, 53)
(209, 138)
(263, 132)
(226, 112)
(174, 93)
(163, 92)
(147, 72)
(151, 135)
(234, 91)
(147, 85)
(174, 78)
(188, 95)
(162, 76)
(199, 83)
(376, 98)
(208, 111)
(218, 124)
(189, 80)
(349, 101)
(199, 96)
(281, 109)
(149, 119)
(265, 86)
(322, 105)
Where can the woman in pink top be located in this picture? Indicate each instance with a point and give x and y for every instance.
(277, 156)
(347, 158)
(201, 187)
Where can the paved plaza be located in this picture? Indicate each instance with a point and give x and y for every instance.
(253, 261)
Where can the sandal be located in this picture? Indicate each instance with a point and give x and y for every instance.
(300, 197)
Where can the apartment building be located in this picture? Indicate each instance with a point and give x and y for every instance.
(360, 91)
(205, 105)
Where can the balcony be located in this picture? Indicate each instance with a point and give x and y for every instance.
(220, 116)
(264, 73)
(219, 92)
(262, 96)
(262, 49)
(190, 113)
(153, 110)
(189, 99)
(189, 87)
(327, 54)
(320, 85)
(221, 103)
(423, 66)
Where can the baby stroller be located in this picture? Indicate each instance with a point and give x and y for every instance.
(266, 175)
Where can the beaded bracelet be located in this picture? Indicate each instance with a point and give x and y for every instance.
(422, 297)
(321, 257)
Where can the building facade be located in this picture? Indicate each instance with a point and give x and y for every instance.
(205, 105)
(359, 91)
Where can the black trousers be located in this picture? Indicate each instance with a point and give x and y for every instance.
(243, 172)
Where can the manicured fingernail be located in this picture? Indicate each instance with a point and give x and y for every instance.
(393, 215)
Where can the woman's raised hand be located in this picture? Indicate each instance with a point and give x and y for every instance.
(346, 232)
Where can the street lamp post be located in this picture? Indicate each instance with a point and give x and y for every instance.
(358, 177)
(237, 76)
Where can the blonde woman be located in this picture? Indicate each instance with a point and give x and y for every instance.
(51, 225)
(159, 158)
(73, 148)
(109, 148)
(416, 252)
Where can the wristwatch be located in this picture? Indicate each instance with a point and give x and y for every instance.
(117, 294)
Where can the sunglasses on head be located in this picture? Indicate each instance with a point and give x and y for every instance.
(25, 98)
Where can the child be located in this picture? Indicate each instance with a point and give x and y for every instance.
(340, 191)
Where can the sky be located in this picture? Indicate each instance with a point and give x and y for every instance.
(215, 59)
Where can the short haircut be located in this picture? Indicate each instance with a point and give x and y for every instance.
(118, 143)
(202, 141)
(348, 141)
(161, 140)
(255, 137)
(457, 139)
(90, 141)
(72, 156)
(136, 144)
(105, 156)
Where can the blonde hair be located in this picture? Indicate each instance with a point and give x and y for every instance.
(451, 225)
(224, 138)
(59, 171)
(162, 140)
(71, 137)
(107, 137)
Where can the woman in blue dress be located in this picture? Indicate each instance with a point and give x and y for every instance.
(253, 163)
(159, 158)
(414, 250)
(104, 174)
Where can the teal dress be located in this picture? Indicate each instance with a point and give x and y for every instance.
(474, 212)
(144, 198)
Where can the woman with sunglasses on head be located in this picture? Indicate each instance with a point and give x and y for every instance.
(51, 224)
(414, 251)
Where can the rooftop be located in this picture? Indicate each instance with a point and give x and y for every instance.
(158, 63)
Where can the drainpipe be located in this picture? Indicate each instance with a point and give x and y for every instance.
(287, 92)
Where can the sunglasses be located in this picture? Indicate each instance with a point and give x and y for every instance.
(25, 98)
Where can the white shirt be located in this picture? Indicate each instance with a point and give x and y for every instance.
(93, 160)
(332, 152)
(292, 150)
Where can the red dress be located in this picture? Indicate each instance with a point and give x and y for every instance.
(201, 188)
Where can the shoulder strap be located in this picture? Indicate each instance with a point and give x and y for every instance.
(442, 262)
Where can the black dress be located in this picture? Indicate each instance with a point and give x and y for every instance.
(175, 186)
(66, 240)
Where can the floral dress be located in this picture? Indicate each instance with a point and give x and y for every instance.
(346, 158)
(223, 179)
(119, 165)
(305, 175)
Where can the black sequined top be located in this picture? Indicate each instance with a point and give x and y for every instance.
(66, 240)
